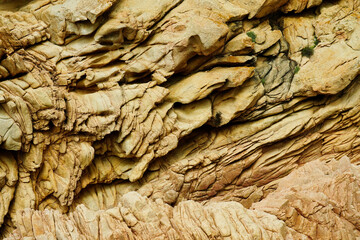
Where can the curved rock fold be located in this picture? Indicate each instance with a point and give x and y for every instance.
(187, 119)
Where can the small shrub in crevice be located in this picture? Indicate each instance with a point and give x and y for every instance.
(251, 35)
(217, 119)
(296, 70)
(307, 51)
(262, 81)
(316, 41)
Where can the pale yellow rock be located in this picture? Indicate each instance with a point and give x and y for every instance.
(179, 33)
(8, 181)
(24, 197)
(242, 43)
(299, 33)
(10, 133)
(337, 22)
(261, 8)
(229, 105)
(130, 20)
(19, 30)
(331, 76)
(299, 5)
(145, 219)
(227, 60)
(168, 119)
(69, 17)
(194, 87)
(264, 164)
(264, 37)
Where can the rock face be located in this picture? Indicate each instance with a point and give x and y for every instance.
(185, 119)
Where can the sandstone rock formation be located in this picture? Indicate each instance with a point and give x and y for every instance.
(185, 119)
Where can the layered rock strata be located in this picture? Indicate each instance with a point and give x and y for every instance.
(320, 200)
(128, 119)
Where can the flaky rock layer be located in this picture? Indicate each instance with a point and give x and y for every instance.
(186, 119)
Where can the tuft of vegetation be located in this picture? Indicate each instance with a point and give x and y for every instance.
(263, 81)
(316, 41)
(307, 51)
(297, 69)
(217, 119)
(251, 35)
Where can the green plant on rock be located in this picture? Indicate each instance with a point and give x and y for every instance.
(297, 69)
(251, 35)
(262, 81)
(316, 41)
(308, 51)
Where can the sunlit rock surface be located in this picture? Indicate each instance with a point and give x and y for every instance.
(187, 119)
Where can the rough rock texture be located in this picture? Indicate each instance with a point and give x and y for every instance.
(317, 201)
(137, 217)
(186, 119)
(320, 200)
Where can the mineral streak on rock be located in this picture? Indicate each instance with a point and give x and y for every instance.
(186, 119)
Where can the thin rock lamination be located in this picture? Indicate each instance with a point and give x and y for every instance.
(135, 119)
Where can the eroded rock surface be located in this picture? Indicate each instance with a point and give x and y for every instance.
(193, 119)
(320, 200)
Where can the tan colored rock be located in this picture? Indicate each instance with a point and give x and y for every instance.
(251, 158)
(311, 201)
(131, 21)
(338, 22)
(299, 5)
(299, 32)
(264, 37)
(167, 119)
(201, 84)
(319, 200)
(68, 17)
(19, 30)
(230, 105)
(137, 217)
(8, 179)
(261, 8)
(330, 78)
(337, 73)
(181, 34)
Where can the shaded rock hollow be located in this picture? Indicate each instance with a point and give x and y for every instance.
(183, 119)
